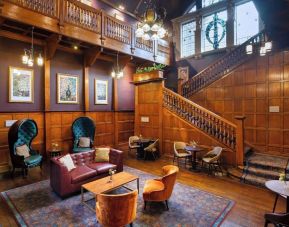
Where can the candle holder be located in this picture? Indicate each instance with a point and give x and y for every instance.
(111, 173)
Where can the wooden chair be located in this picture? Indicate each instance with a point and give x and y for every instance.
(181, 153)
(277, 219)
(152, 149)
(212, 159)
(116, 210)
(131, 143)
(161, 189)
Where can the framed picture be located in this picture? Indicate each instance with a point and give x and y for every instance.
(67, 89)
(21, 85)
(183, 73)
(101, 87)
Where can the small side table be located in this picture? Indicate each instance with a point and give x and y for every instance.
(278, 187)
(193, 151)
(54, 153)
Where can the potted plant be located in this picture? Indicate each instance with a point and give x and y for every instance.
(148, 73)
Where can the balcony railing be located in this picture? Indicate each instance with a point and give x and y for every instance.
(108, 28)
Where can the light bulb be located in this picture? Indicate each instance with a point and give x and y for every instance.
(139, 32)
(262, 51)
(146, 37)
(155, 37)
(30, 62)
(146, 28)
(40, 60)
(249, 49)
(162, 32)
(268, 46)
(155, 27)
(25, 59)
(120, 74)
(113, 74)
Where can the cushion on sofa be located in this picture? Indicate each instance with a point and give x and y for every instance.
(81, 173)
(101, 167)
(102, 154)
(67, 161)
(23, 150)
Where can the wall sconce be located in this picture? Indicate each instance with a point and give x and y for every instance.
(262, 51)
(268, 46)
(249, 49)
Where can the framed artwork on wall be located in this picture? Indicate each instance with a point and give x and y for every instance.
(183, 73)
(101, 92)
(67, 89)
(21, 85)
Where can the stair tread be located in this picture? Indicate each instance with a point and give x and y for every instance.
(256, 180)
(268, 161)
(262, 172)
(235, 172)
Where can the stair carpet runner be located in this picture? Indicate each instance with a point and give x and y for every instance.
(260, 168)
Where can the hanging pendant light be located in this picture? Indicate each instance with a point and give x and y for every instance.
(28, 57)
(117, 72)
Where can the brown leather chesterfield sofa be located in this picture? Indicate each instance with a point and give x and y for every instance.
(65, 183)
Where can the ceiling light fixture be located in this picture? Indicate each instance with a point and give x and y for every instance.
(28, 57)
(152, 28)
(121, 7)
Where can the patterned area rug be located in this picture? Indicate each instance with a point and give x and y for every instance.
(261, 168)
(38, 205)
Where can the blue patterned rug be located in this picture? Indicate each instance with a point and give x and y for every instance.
(37, 205)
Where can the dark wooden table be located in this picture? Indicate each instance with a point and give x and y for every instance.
(193, 150)
(143, 143)
(54, 152)
(279, 188)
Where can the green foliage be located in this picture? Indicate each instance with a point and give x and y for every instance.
(150, 68)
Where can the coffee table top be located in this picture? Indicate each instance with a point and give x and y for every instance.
(103, 185)
(278, 187)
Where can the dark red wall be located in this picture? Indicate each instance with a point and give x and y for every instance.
(10, 55)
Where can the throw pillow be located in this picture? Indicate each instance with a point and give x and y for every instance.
(23, 150)
(84, 142)
(102, 154)
(67, 162)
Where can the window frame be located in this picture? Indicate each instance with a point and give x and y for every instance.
(181, 39)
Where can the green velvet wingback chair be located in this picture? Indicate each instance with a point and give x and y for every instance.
(20, 133)
(83, 127)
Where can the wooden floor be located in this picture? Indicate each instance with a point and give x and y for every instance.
(251, 202)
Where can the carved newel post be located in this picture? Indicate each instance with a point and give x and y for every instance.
(240, 140)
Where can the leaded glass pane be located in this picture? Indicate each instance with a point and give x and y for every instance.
(188, 39)
(206, 3)
(246, 22)
(193, 9)
(214, 31)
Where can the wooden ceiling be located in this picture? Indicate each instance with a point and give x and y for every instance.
(174, 8)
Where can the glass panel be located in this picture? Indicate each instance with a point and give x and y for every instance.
(247, 22)
(188, 39)
(206, 3)
(214, 31)
(193, 9)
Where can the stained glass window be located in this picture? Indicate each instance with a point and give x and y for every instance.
(206, 3)
(246, 22)
(188, 38)
(214, 31)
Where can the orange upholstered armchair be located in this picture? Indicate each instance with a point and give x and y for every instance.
(161, 189)
(116, 210)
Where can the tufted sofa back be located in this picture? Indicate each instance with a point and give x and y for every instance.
(83, 158)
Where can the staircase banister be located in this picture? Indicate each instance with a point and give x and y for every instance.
(84, 6)
(201, 108)
(211, 66)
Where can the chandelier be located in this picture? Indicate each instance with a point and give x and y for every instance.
(117, 72)
(28, 57)
(152, 27)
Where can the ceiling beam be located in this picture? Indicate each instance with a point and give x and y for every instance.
(18, 37)
(91, 55)
(123, 61)
(51, 45)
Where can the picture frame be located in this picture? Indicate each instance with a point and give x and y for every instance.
(101, 92)
(183, 73)
(67, 89)
(21, 85)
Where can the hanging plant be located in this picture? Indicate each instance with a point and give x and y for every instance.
(155, 67)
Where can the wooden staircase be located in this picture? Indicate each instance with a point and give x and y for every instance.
(222, 66)
(224, 132)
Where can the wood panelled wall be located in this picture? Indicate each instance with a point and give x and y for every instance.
(250, 91)
(112, 129)
(148, 103)
(176, 129)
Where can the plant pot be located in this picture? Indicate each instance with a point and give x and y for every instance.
(156, 74)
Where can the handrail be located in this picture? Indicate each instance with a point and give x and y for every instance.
(210, 123)
(221, 67)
